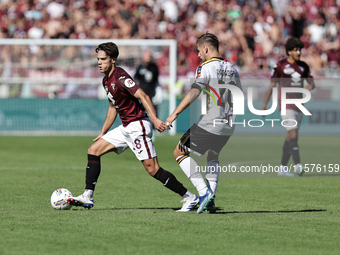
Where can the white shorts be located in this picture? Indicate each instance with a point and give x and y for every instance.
(137, 135)
(292, 119)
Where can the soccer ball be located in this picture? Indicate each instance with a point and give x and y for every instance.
(59, 199)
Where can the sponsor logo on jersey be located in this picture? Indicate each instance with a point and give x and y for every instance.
(296, 75)
(129, 83)
(288, 70)
(113, 86)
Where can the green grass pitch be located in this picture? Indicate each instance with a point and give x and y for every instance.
(135, 214)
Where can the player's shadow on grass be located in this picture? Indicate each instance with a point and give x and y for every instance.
(218, 210)
(279, 211)
(132, 208)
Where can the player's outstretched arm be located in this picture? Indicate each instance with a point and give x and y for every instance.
(186, 101)
(268, 95)
(110, 119)
(146, 101)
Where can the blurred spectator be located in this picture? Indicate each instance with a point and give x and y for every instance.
(36, 31)
(316, 29)
(297, 12)
(170, 8)
(55, 9)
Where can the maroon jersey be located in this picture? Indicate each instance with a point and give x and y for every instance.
(291, 75)
(120, 89)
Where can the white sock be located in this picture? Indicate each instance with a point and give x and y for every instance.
(213, 171)
(88, 193)
(191, 169)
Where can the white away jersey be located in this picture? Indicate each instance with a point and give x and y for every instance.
(212, 77)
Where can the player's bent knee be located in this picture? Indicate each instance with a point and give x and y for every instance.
(100, 147)
(91, 151)
(178, 152)
(175, 153)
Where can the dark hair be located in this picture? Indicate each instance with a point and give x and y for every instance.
(110, 49)
(293, 43)
(208, 38)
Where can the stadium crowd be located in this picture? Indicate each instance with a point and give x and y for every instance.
(251, 32)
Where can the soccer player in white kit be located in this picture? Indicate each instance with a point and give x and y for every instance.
(206, 135)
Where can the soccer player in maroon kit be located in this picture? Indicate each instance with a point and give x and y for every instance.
(129, 100)
(290, 72)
